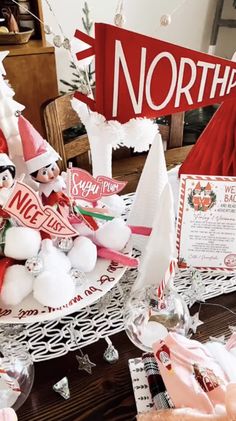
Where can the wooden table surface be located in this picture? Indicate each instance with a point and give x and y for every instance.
(107, 394)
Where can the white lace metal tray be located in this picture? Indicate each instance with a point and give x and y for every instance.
(53, 339)
(105, 318)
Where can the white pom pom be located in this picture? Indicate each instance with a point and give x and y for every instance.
(53, 258)
(115, 204)
(54, 289)
(139, 133)
(83, 230)
(22, 243)
(113, 234)
(83, 255)
(17, 284)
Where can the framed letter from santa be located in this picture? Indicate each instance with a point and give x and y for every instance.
(206, 227)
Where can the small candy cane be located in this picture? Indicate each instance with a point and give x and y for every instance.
(168, 275)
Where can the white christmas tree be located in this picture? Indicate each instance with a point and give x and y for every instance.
(160, 250)
(9, 112)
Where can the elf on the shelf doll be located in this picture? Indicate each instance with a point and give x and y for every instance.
(40, 159)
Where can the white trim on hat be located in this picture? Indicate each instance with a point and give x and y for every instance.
(40, 161)
(5, 160)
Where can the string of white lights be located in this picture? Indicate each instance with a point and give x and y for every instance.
(166, 19)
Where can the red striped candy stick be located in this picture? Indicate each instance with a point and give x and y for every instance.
(169, 273)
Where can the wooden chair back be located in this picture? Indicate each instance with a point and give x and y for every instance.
(60, 116)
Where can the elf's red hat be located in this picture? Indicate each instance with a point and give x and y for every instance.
(4, 158)
(198, 186)
(37, 152)
(208, 187)
(215, 150)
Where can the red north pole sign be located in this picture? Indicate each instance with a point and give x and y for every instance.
(139, 76)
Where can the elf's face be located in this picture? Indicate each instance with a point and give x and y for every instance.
(48, 173)
(6, 179)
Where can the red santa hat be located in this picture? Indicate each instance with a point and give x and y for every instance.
(37, 152)
(4, 158)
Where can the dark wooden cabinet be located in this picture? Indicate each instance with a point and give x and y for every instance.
(31, 71)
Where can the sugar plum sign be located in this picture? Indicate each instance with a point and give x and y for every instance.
(24, 205)
(82, 185)
(138, 76)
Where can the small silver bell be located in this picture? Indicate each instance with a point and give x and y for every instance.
(165, 20)
(34, 265)
(64, 244)
(119, 20)
(66, 44)
(111, 355)
(47, 29)
(57, 41)
(78, 277)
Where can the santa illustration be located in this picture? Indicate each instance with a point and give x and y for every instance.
(197, 196)
(206, 199)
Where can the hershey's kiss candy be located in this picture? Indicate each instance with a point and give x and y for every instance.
(34, 265)
(111, 355)
(64, 244)
(57, 41)
(119, 20)
(165, 20)
(47, 29)
(62, 387)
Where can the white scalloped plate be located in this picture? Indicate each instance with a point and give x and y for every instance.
(97, 283)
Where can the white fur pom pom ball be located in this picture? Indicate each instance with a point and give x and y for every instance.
(113, 234)
(83, 255)
(53, 258)
(115, 203)
(21, 243)
(54, 289)
(17, 284)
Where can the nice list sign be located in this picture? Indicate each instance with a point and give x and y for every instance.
(140, 76)
(25, 205)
